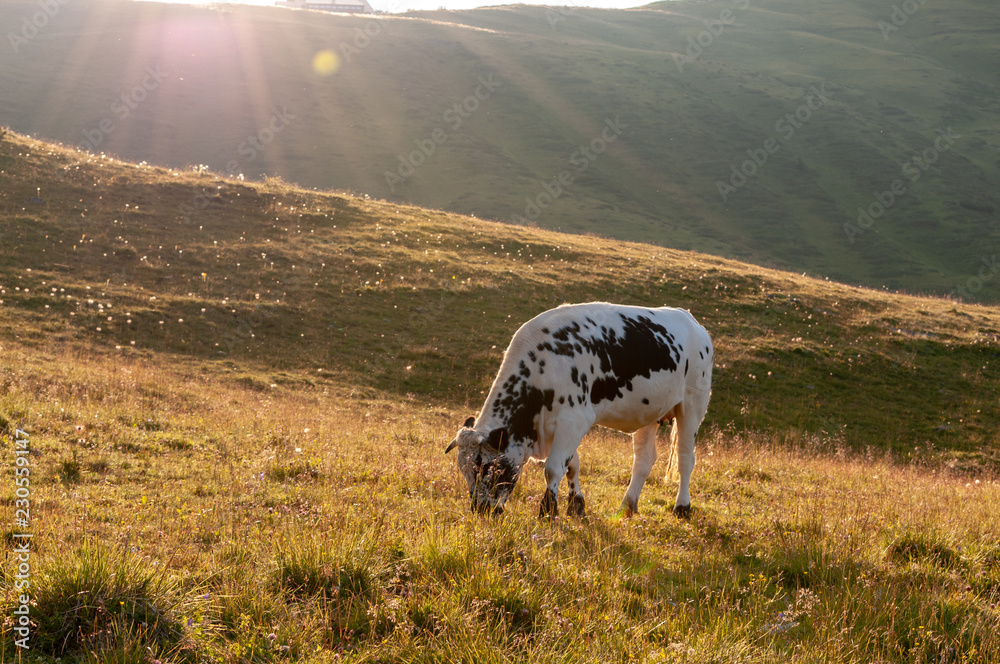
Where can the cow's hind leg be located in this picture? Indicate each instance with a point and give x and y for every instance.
(682, 435)
(575, 505)
(643, 458)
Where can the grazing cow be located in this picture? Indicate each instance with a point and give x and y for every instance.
(567, 369)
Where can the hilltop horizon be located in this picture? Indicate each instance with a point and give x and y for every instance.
(403, 6)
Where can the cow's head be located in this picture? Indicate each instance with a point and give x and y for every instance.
(490, 474)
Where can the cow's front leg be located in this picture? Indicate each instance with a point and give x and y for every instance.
(550, 505)
(575, 505)
(643, 458)
(569, 431)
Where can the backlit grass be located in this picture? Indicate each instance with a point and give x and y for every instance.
(203, 553)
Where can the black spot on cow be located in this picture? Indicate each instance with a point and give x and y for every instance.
(645, 401)
(558, 348)
(518, 404)
(643, 348)
(564, 333)
(504, 473)
(498, 440)
(685, 366)
(500, 474)
(701, 355)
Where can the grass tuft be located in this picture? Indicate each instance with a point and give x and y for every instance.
(70, 470)
(920, 547)
(94, 600)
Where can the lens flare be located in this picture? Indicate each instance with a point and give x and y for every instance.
(326, 63)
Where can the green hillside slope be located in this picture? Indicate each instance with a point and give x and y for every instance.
(275, 285)
(749, 130)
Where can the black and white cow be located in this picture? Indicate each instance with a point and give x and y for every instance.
(567, 369)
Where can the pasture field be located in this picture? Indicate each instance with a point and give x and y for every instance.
(180, 519)
(237, 398)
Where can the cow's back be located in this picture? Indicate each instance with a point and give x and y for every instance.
(620, 366)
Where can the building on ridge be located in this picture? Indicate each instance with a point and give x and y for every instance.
(345, 6)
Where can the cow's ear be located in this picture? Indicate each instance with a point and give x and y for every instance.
(498, 440)
(469, 422)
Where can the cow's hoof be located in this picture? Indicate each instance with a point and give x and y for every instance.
(576, 506)
(682, 512)
(628, 508)
(549, 506)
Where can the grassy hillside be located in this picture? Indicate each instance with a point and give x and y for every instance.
(236, 417)
(235, 89)
(267, 280)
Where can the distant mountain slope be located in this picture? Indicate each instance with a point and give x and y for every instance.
(753, 130)
(264, 284)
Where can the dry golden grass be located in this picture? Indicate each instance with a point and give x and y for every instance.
(297, 525)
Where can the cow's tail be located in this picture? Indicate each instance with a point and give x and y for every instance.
(672, 452)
